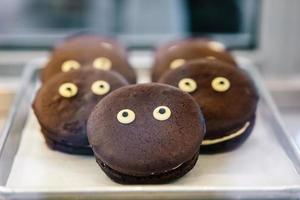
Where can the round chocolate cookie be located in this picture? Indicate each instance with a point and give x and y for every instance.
(62, 106)
(89, 51)
(227, 97)
(146, 133)
(177, 53)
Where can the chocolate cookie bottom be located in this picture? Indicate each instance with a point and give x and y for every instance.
(151, 179)
(66, 147)
(230, 144)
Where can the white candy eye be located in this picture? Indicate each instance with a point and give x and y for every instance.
(125, 116)
(220, 84)
(68, 90)
(177, 63)
(70, 65)
(216, 46)
(102, 63)
(162, 113)
(100, 87)
(187, 85)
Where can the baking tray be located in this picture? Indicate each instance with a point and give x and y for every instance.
(266, 166)
(286, 94)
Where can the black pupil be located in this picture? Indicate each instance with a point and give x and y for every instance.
(221, 82)
(102, 86)
(187, 83)
(69, 89)
(125, 114)
(161, 110)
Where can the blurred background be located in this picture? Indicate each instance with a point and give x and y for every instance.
(138, 23)
(264, 31)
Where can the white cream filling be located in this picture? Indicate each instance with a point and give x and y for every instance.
(228, 137)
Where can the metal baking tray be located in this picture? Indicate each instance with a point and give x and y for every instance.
(266, 166)
(286, 94)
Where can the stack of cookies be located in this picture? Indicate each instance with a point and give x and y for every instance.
(200, 101)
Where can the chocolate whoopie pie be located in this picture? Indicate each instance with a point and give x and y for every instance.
(89, 51)
(146, 133)
(227, 97)
(63, 104)
(176, 53)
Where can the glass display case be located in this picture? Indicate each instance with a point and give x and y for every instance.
(138, 24)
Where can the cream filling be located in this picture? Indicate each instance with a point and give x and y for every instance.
(228, 137)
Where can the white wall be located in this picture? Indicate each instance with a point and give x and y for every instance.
(279, 38)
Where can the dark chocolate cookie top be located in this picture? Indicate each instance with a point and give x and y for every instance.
(63, 104)
(226, 95)
(89, 51)
(146, 129)
(176, 53)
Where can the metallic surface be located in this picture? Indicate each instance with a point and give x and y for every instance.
(11, 136)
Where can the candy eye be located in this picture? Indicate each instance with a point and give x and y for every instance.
(216, 46)
(68, 90)
(176, 63)
(125, 116)
(100, 87)
(102, 63)
(70, 65)
(162, 113)
(187, 85)
(220, 84)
